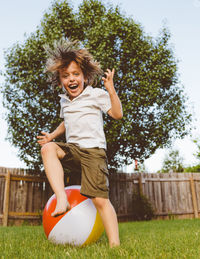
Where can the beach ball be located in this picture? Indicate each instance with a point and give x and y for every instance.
(79, 226)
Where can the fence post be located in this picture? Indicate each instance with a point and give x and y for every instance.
(6, 199)
(194, 199)
(140, 185)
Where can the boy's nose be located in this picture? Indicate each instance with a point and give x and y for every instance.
(71, 79)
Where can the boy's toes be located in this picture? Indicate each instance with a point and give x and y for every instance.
(68, 206)
(58, 212)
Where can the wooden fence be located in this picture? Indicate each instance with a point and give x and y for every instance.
(23, 194)
(173, 195)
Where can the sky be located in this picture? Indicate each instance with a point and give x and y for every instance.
(182, 17)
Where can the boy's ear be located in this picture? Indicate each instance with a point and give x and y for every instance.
(86, 81)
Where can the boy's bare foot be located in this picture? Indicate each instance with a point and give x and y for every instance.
(112, 245)
(61, 207)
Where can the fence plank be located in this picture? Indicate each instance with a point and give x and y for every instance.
(151, 194)
(197, 187)
(2, 188)
(6, 199)
(193, 191)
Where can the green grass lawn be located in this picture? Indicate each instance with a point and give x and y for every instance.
(151, 239)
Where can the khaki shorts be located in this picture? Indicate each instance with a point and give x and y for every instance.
(92, 162)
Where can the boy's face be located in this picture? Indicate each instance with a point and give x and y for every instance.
(72, 79)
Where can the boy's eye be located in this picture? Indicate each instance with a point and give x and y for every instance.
(65, 76)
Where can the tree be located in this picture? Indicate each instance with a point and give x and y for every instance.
(197, 142)
(195, 168)
(154, 103)
(172, 162)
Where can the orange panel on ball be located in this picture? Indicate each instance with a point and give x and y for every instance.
(74, 198)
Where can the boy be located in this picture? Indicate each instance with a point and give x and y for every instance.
(74, 69)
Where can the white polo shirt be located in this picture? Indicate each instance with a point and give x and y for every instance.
(83, 117)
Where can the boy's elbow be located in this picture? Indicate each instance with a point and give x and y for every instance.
(119, 116)
(116, 115)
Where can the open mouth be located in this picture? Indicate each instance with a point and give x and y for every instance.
(72, 87)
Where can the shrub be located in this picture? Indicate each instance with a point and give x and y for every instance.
(142, 207)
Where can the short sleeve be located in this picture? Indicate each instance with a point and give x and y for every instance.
(102, 99)
(61, 110)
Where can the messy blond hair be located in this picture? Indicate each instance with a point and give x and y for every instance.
(63, 53)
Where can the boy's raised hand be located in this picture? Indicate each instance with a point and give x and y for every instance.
(116, 108)
(108, 80)
(44, 139)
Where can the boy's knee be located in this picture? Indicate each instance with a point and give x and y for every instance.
(47, 147)
(100, 202)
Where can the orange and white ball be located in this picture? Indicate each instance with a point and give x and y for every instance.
(79, 226)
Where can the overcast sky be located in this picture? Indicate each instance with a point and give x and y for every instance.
(182, 17)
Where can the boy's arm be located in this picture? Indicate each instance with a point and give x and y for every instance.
(47, 137)
(116, 107)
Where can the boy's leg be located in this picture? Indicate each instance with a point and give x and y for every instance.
(109, 218)
(51, 155)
